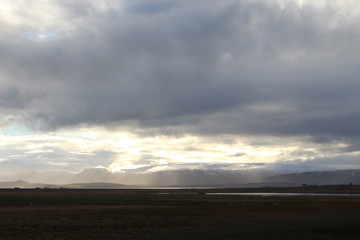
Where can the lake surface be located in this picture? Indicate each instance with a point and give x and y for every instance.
(289, 194)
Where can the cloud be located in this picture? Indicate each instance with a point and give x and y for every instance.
(177, 69)
(31, 152)
(249, 67)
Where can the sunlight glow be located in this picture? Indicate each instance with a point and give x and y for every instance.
(263, 153)
(88, 148)
(5, 7)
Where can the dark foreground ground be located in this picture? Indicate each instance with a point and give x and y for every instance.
(178, 214)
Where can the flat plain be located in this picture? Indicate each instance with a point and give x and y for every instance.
(179, 214)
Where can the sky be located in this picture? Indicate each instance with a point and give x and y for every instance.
(151, 85)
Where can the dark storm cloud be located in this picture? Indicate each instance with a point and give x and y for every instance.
(149, 7)
(237, 67)
(12, 98)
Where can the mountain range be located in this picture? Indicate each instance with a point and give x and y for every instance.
(101, 178)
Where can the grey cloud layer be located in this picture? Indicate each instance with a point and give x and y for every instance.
(240, 67)
(14, 158)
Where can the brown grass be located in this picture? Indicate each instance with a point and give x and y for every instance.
(114, 214)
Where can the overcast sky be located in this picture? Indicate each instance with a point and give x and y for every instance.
(148, 85)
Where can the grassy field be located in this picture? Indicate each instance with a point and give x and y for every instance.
(178, 214)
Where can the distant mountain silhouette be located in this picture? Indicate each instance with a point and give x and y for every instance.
(96, 185)
(101, 178)
(20, 184)
(319, 177)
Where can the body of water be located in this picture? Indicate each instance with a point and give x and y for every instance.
(288, 194)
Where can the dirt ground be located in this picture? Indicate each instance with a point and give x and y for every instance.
(126, 214)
